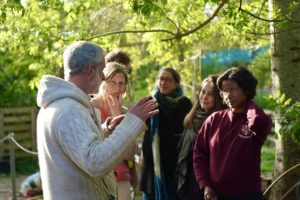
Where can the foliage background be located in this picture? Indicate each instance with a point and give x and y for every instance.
(154, 33)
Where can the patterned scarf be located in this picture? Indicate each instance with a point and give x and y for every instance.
(166, 104)
(188, 138)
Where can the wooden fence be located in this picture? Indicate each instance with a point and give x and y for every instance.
(22, 122)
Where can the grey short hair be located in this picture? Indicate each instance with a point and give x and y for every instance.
(79, 55)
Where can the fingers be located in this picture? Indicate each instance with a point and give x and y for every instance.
(114, 105)
(115, 121)
(114, 100)
(120, 98)
(152, 113)
(209, 194)
(150, 105)
(119, 117)
(109, 99)
(144, 108)
(142, 101)
(209, 197)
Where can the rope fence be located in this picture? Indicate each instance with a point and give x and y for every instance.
(10, 136)
(22, 148)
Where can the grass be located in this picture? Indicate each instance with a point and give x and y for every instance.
(24, 166)
(27, 165)
(267, 159)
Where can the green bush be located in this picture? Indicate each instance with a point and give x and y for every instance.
(267, 159)
(288, 115)
(27, 165)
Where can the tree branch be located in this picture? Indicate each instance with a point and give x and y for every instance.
(280, 177)
(257, 17)
(263, 19)
(130, 31)
(181, 35)
(177, 35)
(290, 190)
(133, 44)
(173, 23)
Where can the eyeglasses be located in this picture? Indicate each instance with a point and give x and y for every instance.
(166, 80)
(232, 91)
(115, 83)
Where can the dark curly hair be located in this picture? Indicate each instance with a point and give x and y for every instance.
(242, 77)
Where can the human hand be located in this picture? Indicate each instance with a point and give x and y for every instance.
(144, 108)
(114, 104)
(112, 122)
(209, 194)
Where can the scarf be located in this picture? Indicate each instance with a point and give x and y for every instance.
(187, 144)
(166, 104)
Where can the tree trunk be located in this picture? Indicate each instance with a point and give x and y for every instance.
(285, 62)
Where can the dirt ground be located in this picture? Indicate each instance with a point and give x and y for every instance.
(5, 187)
(6, 194)
(6, 190)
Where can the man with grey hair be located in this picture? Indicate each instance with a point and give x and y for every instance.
(76, 162)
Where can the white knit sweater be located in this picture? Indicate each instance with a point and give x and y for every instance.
(75, 162)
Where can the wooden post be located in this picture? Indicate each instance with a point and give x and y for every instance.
(1, 132)
(33, 127)
(12, 167)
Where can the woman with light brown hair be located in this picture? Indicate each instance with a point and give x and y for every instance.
(208, 100)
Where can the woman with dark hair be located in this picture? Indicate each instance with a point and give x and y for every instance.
(161, 140)
(208, 100)
(228, 147)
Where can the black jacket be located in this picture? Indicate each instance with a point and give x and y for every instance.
(170, 130)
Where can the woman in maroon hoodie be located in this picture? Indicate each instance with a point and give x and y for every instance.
(228, 147)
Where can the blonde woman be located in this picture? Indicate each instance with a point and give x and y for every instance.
(109, 102)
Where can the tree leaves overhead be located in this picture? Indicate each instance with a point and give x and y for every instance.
(148, 7)
(154, 32)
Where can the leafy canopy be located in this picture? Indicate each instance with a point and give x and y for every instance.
(154, 33)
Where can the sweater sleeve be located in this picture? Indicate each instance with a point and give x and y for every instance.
(81, 144)
(258, 122)
(201, 156)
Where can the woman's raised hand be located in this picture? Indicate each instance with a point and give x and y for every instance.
(114, 104)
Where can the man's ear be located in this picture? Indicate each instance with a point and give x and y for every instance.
(90, 72)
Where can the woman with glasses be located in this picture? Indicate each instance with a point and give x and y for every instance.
(109, 102)
(208, 100)
(161, 140)
(228, 147)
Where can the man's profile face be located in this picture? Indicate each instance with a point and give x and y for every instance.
(98, 78)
